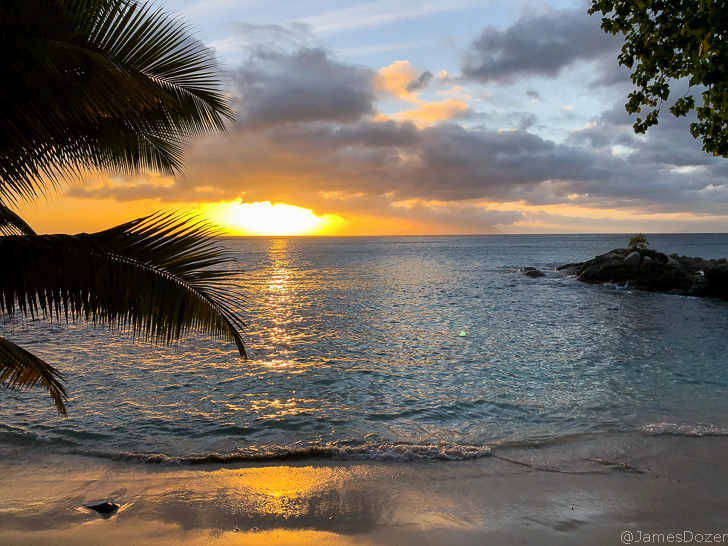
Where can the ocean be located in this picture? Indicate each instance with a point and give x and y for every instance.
(394, 348)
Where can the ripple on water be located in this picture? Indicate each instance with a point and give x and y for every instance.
(357, 340)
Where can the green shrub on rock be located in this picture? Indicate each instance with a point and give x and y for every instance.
(638, 242)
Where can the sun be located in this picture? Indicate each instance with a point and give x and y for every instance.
(264, 218)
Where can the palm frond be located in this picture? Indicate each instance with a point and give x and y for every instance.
(19, 369)
(151, 276)
(12, 224)
(99, 85)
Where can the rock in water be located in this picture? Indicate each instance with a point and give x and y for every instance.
(103, 507)
(633, 260)
(660, 258)
(672, 262)
(534, 273)
(574, 266)
(718, 278)
(647, 264)
(655, 272)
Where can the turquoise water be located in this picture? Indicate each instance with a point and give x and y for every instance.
(356, 352)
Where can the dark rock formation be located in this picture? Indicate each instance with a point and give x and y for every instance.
(533, 272)
(632, 260)
(655, 272)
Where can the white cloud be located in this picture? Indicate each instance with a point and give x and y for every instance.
(383, 12)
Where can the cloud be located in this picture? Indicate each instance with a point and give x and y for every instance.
(303, 86)
(381, 13)
(249, 36)
(445, 162)
(668, 144)
(527, 121)
(420, 82)
(400, 80)
(534, 95)
(538, 45)
(467, 179)
(395, 80)
(390, 161)
(311, 135)
(431, 112)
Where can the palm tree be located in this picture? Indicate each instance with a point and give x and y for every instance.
(94, 86)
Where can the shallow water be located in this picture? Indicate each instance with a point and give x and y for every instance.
(356, 352)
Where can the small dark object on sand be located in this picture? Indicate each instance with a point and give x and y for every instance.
(103, 507)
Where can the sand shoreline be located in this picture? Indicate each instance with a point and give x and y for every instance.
(679, 486)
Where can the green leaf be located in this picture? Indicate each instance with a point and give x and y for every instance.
(668, 41)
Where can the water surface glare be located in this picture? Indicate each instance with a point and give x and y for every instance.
(357, 352)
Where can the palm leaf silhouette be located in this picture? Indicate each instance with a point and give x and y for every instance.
(151, 276)
(20, 369)
(99, 85)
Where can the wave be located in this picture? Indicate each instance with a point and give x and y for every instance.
(79, 444)
(402, 452)
(673, 429)
(381, 452)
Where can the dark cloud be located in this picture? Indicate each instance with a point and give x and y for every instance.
(527, 120)
(664, 170)
(302, 86)
(611, 73)
(445, 163)
(540, 45)
(372, 164)
(533, 94)
(421, 82)
(668, 144)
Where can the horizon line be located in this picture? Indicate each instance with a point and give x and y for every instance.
(485, 234)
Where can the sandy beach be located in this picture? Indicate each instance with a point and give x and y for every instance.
(678, 487)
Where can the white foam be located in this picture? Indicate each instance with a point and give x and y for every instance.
(381, 452)
(685, 429)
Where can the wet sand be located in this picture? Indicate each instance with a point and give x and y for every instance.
(678, 485)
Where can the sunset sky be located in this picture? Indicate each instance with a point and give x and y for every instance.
(419, 117)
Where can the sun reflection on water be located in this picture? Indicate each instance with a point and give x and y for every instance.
(281, 291)
(287, 492)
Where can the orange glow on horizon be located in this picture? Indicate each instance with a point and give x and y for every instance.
(406, 217)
